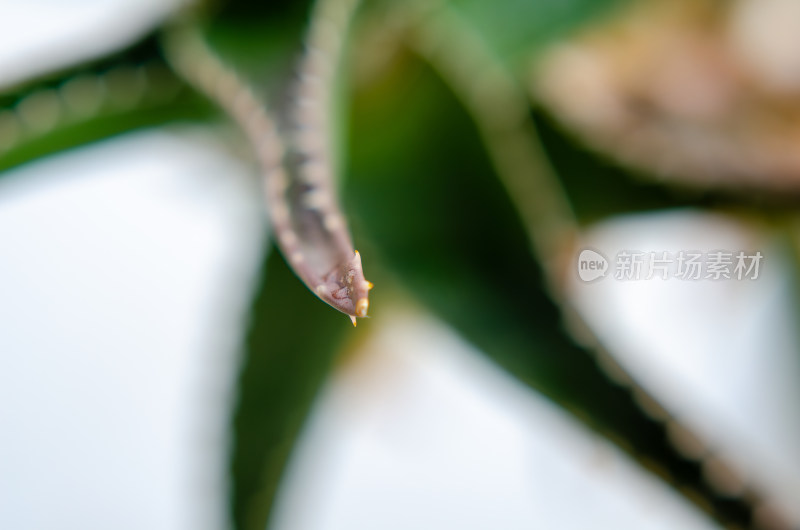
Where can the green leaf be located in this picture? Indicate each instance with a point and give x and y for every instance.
(514, 28)
(129, 90)
(429, 202)
(188, 107)
(290, 348)
(599, 188)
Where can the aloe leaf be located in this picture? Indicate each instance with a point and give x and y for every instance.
(290, 348)
(433, 209)
(129, 90)
(515, 28)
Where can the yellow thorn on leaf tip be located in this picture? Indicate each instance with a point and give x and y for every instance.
(361, 307)
(353, 319)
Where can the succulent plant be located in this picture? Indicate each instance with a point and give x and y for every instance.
(439, 124)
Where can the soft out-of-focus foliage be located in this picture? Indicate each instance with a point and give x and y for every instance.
(279, 380)
(429, 213)
(517, 28)
(697, 92)
(452, 237)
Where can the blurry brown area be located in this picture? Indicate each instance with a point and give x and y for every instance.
(704, 93)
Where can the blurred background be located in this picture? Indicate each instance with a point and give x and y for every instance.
(161, 367)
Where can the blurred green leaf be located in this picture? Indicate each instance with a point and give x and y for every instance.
(261, 45)
(291, 345)
(515, 28)
(599, 188)
(187, 106)
(429, 202)
(144, 93)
